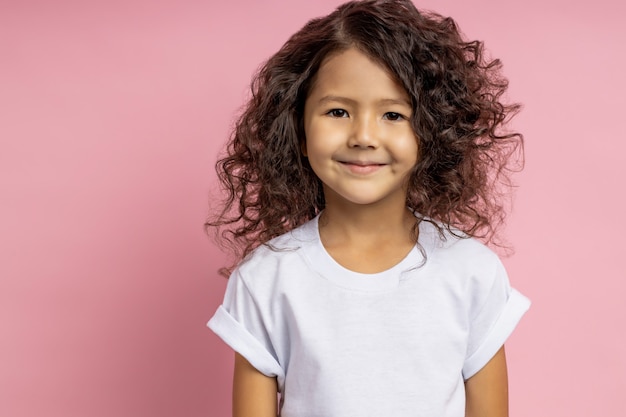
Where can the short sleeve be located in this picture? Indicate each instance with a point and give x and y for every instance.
(239, 323)
(493, 318)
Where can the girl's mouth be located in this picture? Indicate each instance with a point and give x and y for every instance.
(361, 168)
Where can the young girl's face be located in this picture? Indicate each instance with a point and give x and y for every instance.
(359, 139)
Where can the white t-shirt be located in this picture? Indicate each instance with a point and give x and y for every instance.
(397, 343)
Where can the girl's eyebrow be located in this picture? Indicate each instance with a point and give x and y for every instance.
(339, 99)
(346, 100)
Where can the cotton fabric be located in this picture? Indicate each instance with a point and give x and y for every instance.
(396, 343)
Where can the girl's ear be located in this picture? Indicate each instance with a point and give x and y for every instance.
(303, 148)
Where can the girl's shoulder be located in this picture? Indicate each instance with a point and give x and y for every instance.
(270, 268)
(452, 247)
(281, 249)
(466, 266)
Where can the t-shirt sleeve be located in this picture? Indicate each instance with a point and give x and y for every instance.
(239, 323)
(493, 317)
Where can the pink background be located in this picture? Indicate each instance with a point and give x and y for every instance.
(111, 116)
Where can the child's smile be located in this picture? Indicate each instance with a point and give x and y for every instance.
(362, 167)
(359, 140)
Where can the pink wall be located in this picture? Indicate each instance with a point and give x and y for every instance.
(111, 115)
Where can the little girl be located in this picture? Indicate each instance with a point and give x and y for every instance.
(364, 169)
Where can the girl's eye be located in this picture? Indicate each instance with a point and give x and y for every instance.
(338, 113)
(393, 116)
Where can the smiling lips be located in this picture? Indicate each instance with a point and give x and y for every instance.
(362, 167)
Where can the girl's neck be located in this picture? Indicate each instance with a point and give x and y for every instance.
(367, 239)
(361, 222)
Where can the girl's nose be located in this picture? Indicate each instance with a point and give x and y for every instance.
(364, 133)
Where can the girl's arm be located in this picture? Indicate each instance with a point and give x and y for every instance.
(254, 394)
(486, 392)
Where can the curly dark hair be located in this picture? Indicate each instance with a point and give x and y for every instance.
(465, 156)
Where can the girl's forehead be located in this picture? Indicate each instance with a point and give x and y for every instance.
(351, 70)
